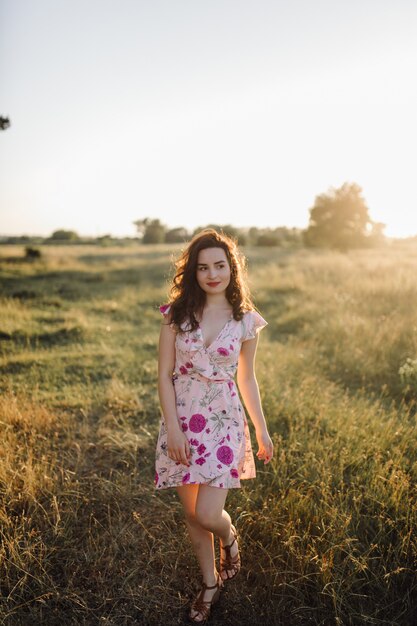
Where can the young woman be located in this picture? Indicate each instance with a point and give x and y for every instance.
(204, 449)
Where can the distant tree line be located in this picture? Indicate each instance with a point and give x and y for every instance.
(151, 231)
(339, 219)
(156, 232)
(66, 237)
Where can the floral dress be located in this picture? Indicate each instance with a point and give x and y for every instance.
(209, 409)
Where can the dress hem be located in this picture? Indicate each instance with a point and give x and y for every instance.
(181, 484)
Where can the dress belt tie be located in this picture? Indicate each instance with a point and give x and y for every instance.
(203, 379)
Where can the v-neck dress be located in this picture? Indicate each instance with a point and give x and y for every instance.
(209, 409)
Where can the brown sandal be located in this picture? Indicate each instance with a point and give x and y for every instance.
(229, 563)
(203, 607)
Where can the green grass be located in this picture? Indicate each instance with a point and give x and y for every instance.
(328, 528)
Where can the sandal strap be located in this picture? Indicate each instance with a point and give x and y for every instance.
(233, 566)
(213, 587)
(227, 548)
(228, 562)
(201, 606)
(231, 559)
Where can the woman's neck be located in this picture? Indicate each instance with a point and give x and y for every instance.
(216, 301)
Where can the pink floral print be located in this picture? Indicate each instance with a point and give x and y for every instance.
(225, 455)
(197, 423)
(209, 409)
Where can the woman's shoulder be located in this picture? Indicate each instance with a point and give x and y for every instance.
(252, 322)
(251, 313)
(166, 311)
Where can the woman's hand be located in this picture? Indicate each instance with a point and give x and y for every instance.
(266, 447)
(178, 446)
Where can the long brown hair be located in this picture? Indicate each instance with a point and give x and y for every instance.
(187, 299)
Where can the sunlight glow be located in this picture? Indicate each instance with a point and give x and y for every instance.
(136, 123)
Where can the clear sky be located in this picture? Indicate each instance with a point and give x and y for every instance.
(192, 111)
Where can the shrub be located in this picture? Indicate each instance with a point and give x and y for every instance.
(32, 253)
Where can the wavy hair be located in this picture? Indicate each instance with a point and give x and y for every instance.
(187, 299)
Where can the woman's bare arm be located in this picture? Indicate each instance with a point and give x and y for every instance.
(178, 446)
(248, 387)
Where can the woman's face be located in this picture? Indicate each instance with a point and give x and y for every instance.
(213, 270)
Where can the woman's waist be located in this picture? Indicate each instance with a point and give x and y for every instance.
(215, 377)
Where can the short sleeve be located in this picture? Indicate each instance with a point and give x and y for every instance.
(253, 322)
(164, 309)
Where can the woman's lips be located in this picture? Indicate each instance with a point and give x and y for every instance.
(213, 284)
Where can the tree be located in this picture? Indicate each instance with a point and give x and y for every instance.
(104, 240)
(340, 219)
(176, 235)
(4, 123)
(151, 231)
(64, 235)
(141, 226)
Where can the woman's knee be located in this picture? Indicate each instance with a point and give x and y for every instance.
(191, 518)
(206, 516)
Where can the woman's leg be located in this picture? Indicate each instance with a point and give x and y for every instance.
(202, 541)
(210, 514)
(205, 515)
(201, 538)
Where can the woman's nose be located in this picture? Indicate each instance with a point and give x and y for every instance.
(213, 272)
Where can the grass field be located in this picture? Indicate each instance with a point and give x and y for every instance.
(328, 528)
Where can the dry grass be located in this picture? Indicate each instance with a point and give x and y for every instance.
(328, 528)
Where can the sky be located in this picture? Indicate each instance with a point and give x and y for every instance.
(194, 112)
